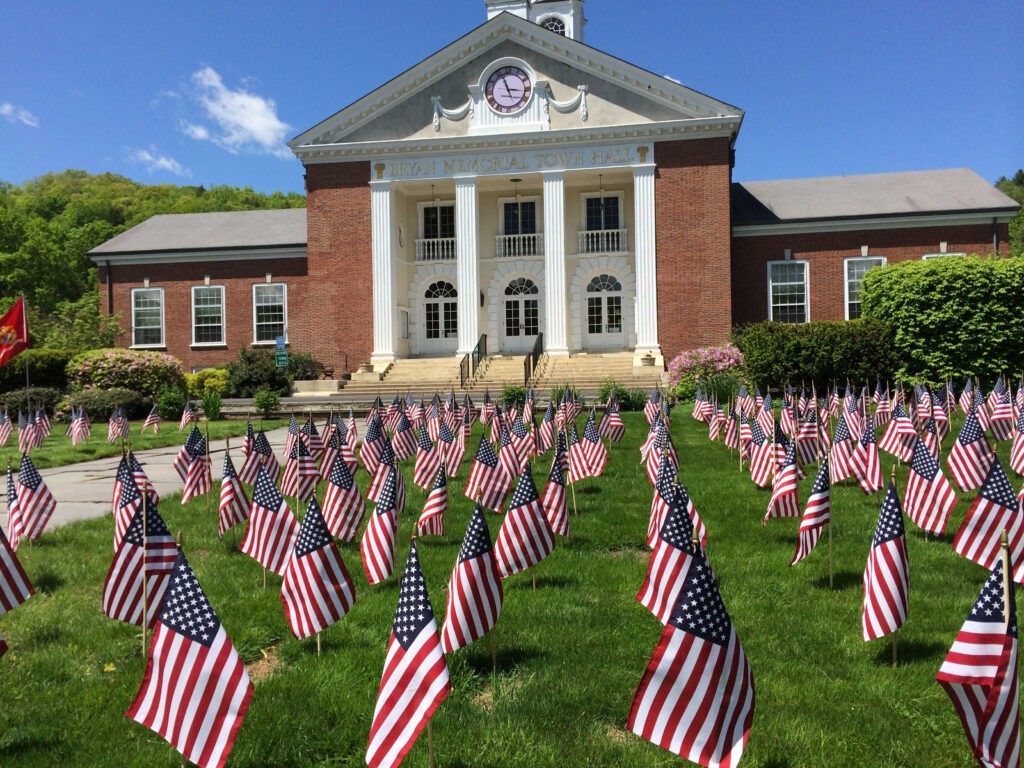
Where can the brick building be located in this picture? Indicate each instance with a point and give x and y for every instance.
(518, 184)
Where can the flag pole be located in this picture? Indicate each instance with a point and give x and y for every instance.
(1005, 554)
(145, 608)
(209, 462)
(24, 327)
(894, 660)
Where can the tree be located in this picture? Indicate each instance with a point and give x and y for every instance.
(1015, 188)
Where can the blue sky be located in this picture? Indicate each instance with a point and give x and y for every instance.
(209, 92)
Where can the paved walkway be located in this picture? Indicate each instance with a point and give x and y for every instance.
(83, 490)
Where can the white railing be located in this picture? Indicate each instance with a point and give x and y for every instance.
(519, 245)
(436, 249)
(604, 241)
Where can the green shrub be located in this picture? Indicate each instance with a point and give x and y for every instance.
(958, 316)
(265, 402)
(99, 403)
(144, 372)
(819, 353)
(208, 380)
(211, 405)
(300, 367)
(632, 400)
(558, 391)
(170, 404)
(15, 400)
(512, 395)
(45, 369)
(255, 370)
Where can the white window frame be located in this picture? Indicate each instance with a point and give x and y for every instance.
(421, 209)
(284, 296)
(223, 319)
(882, 261)
(538, 208)
(163, 332)
(807, 287)
(594, 194)
(930, 256)
(403, 323)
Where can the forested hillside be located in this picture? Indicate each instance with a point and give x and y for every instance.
(49, 224)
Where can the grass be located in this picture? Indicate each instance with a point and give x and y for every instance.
(570, 653)
(57, 451)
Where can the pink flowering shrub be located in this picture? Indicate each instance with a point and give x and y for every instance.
(711, 365)
(146, 373)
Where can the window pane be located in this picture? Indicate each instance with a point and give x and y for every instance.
(788, 292)
(148, 311)
(438, 221)
(594, 324)
(433, 322)
(614, 304)
(531, 317)
(512, 317)
(855, 271)
(451, 323)
(208, 315)
(270, 314)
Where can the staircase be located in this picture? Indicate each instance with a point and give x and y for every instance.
(419, 377)
(587, 372)
(495, 374)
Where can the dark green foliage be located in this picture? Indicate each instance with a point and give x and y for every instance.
(211, 405)
(629, 399)
(265, 402)
(302, 366)
(170, 403)
(16, 399)
(99, 403)
(817, 353)
(558, 391)
(957, 316)
(512, 395)
(1015, 188)
(254, 370)
(45, 369)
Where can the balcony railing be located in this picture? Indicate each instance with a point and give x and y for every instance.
(604, 241)
(512, 246)
(436, 249)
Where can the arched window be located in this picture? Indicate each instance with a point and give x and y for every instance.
(442, 319)
(521, 286)
(555, 24)
(604, 283)
(441, 290)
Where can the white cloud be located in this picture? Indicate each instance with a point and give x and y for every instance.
(237, 120)
(154, 161)
(15, 114)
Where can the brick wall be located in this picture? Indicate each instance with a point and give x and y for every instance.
(338, 322)
(825, 253)
(693, 243)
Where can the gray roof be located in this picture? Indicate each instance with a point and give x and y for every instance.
(958, 190)
(229, 230)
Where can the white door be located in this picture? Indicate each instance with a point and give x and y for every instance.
(521, 321)
(440, 319)
(604, 323)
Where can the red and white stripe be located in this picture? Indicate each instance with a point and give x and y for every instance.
(887, 573)
(475, 593)
(817, 514)
(344, 507)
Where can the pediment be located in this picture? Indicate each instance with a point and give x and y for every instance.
(577, 88)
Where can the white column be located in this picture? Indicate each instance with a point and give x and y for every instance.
(645, 242)
(556, 318)
(467, 264)
(384, 304)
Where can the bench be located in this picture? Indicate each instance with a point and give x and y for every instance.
(317, 370)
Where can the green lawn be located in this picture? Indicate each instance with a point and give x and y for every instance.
(56, 450)
(570, 653)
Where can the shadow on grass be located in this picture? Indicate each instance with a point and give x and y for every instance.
(840, 581)
(16, 742)
(508, 658)
(909, 652)
(525, 581)
(778, 762)
(46, 582)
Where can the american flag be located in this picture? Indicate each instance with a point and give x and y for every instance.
(817, 514)
(663, 443)
(673, 549)
(930, 437)
(525, 537)
(941, 418)
(664, 488)
(43, 426)
(381, 476)
(428, 460)
(474, 589)
(311, 437)
(883, 407)
(594, 451)
(487, 409)
(129, 499)
(35, 501)
(887, 574)
(147, 544)
(343, 503)
(266, 456)
(250, 463)
(5, 428)
(841, 455)
(433, 418)
(234, 505)
(13, 510)
(808, 444)
(898, 438)
(293, 435)
(487, 482)
(332, 447)
(317, 590)
(196, 690)
(457, 450)
(994, 510)
(404, 439)
(865, 462)
(345, 445)
(980, 410)
(980, 673)
(445, 441)
(522, 438)
(579, 467)
(554, 501)
(509, 459)
(611, 425)
(373, 444)
(188, 416)
(546, 432)
(766, 416)
(1017, 448)
(762, 456)
(301, 474)
(929, 497)
(696, 697)
(653, 405)
(152, 420)
(784, 501)
(15, 588)
(414, 411)
(998, 389)
(27, 434)
(270, 535)
(249, 441)
(377, 546)
(195, 445)
(970, 457)
(415, 678)
(967, 395)
(351, 431)
(431, 522)
(1001, 423)
(199, 476)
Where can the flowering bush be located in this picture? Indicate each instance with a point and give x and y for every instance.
(144, 372)
(687, 369)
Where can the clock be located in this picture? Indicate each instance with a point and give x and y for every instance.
(508, 89)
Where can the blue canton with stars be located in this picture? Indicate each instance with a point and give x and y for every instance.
(822, 482)
(699, 609)
(414, 613)
(677, 530)
(265, 493)
(890, 519)
(313, 534)
(28, 475)
(842, 430)
(478, 537)
(262, 445)
(185, 608)
(867, 437)
(340, 474)
(990, 607)
(388, 494)
(155, 526)
(923, 463)
(485, 453)
(526, 491)
(997, 488)
(971, 431)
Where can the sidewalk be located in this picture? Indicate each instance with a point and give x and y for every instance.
(83, 490)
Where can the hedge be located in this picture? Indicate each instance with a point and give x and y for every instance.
(953, 317)
(144, 372)
(45, 369)
(819, 353)
(14, 401)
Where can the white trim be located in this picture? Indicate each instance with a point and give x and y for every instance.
(163, 330)
(942, 255)
(425, 274)
(504, 273)
(807, 286)
(538, 210)
(223, 318)
(284, 319)
(193, 256)
(622, 268)
(423, 205)
(909, 221)
(846, 277)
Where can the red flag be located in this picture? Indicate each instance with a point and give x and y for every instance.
(415, 678)
(887, 574)
(474, 590)
(13, 332)
(195, 691)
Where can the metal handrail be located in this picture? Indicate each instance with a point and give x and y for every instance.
(532, 358)
(464, 371)
(479, 354)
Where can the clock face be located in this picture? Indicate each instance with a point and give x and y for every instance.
(508, 89)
